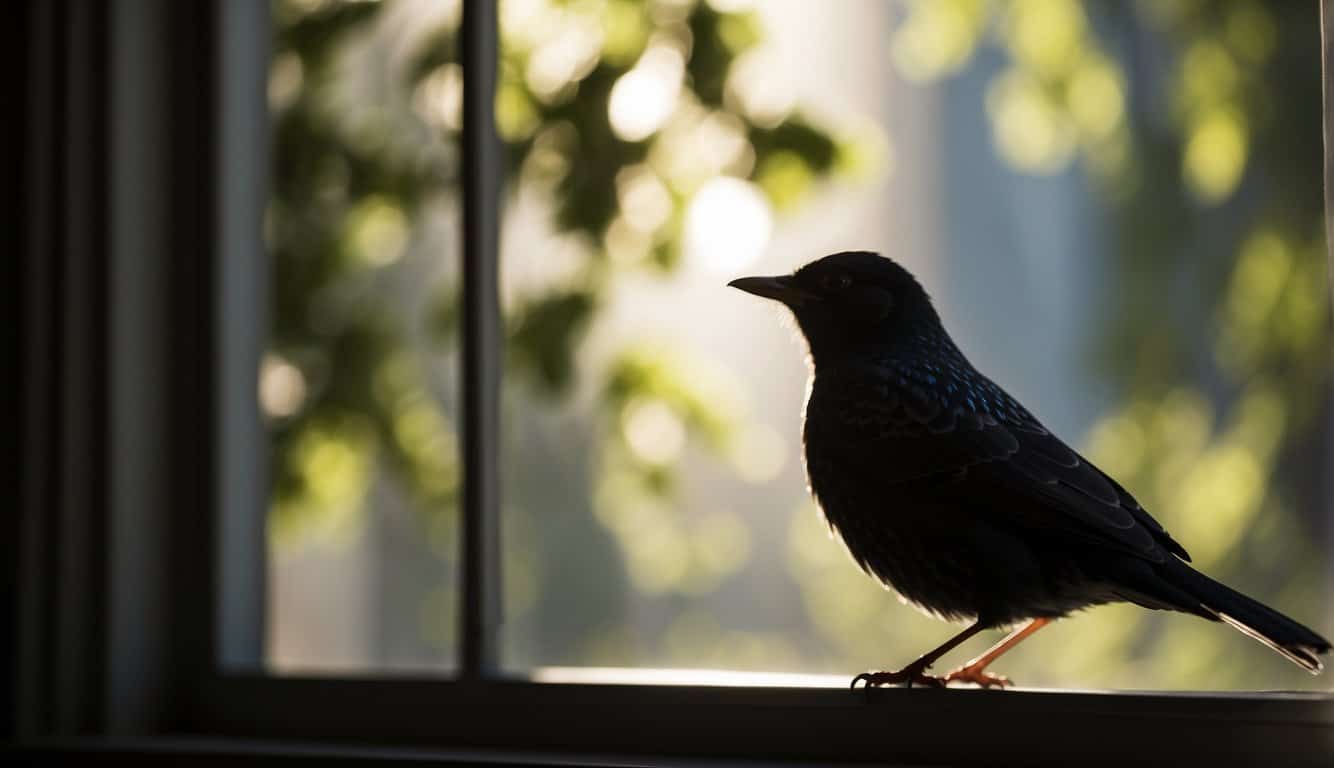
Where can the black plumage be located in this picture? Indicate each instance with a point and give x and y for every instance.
(947, 489)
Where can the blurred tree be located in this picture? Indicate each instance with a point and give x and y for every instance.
(1198, 122)
(617, 113)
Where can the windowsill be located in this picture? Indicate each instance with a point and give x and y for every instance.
(734, 717)
(188, 752)
(715, 678)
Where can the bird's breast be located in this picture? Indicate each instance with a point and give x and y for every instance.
(895, 532)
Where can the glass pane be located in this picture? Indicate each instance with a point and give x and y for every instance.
(1116, 208)
(359, 384)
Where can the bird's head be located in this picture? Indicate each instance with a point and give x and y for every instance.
(851, 302)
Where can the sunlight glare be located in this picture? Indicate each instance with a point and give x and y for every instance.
(707, 677)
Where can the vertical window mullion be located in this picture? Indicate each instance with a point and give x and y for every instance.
(243, 322)
(1326, 62)
(1327, 83)
(481, 343)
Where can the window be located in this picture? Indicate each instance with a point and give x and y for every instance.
(359, 376)
(506, 439)
(651, 494)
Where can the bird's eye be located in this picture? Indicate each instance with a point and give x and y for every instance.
(835, 282)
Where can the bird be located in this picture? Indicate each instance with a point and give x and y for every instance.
(946, 489)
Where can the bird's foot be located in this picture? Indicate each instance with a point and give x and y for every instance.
(977, 675)
(910, 675)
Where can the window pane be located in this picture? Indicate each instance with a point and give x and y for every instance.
(358, 383)
(1116, 208)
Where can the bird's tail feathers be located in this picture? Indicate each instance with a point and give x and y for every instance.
(1297, 643)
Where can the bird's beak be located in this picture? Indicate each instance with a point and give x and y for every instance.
(781, 288)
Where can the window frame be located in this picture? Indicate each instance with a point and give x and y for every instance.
(142, 567)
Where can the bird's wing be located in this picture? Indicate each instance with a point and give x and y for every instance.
(990, 443)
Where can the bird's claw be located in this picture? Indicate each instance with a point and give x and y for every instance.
(907, 676)
(977, 676)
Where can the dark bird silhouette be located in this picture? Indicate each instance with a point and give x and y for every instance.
(946, 489)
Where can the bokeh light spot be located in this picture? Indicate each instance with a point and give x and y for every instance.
(645, 202)
(754, 91)
(1215, 155)
(285, 79)
(1029, 132)
(282, 386)
(1097, 97)
(378, 232)
(643, 98)
(728, 225)
(439, 97)
(759, 453)
(1046, 34)
(937, 37)
(653, 431)
(565, 56)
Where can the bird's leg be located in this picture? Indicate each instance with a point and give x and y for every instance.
(916, 671)
(975, 670)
